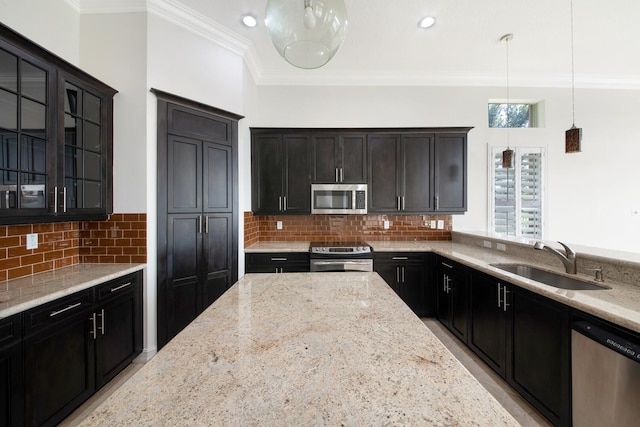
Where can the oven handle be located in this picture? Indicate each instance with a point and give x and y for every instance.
(352, 262)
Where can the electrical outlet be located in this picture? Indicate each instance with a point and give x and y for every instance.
(433, 223)
(386, 225)
(501, 246)
(32, 241)
(279, 225)
(486, 244)
(440, 224)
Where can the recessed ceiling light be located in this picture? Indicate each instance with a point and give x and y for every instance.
(249, 21)
(426, 22)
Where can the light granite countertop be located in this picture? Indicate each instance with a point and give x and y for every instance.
(21, 294)
(303, 349)
(619, 305)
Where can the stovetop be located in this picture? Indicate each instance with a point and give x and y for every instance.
(339, 248)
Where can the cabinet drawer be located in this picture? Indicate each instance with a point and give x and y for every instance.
(10, 330)
(115, 288)
(277, 258)
(399, 257)
(57, 311)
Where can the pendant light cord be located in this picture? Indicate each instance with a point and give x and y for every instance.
(573, 83)
(508, 98)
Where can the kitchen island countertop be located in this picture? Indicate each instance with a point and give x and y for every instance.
(303, 349)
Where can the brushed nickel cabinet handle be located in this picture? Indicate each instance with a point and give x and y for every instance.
(70, 307)
(117, 288)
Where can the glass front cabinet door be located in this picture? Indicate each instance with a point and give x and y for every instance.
(55, 137)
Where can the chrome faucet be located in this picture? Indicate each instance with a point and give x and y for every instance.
(569, 260)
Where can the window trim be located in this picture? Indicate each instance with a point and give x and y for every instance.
(491, 154)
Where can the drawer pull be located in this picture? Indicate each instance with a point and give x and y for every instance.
(55, 313)
(117, 288)
(278, 259)
(400, 258)
(447, 265)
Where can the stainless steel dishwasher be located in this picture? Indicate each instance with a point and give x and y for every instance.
(605, 368)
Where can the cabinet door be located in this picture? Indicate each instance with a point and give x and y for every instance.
(184, 175)
(118, 326)
(459, 304)
(217, 251)
(28, 144)
(353, 159)
(217, 178)
(389, 273)
(11, 386)
(297, 175)
(59, 359)
(450, 179)
(85, 165)
(540, 354)
(488, 330)
(326, 152)
(184, 261)
(383, 158)
(417, 173)
(266, 174)
(413, 287)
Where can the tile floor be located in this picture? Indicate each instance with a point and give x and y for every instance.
(524, 413)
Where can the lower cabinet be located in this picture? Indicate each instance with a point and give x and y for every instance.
(525, 338)
(74, 345)
(406, 274)
(11, 383)
(452, 287)
(277, 262)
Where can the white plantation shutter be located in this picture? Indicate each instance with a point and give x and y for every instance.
(517, 194)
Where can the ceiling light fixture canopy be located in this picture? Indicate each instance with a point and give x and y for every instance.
(306, 33)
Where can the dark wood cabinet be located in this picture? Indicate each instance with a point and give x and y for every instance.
(118, 317)
(197, 203)
(76, 344)
(452, 282)
(280, 173)
(59, 361)
(539, 349)
(56, 136)
(277, 262)
(339, 158)
(11, 382)
(450, 173)
(406, 274)
(525, 338)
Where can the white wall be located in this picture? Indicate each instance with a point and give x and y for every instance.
(53, 24)
(591, 195)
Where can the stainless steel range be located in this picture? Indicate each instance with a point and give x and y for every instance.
(340, 256)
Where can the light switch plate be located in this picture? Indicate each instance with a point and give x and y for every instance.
(386, 225)
(501, 246)
(279, 225)
(440, 224)
(32, 241)
(433, 223)
(486, 244)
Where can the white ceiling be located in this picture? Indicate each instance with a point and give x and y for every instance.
(384, 46)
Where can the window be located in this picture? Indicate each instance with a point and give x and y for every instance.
(517, 196)
(520, 114)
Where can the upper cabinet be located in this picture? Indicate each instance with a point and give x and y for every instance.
(56, 137)
(408, 171)
(339, 158)
(280, 173)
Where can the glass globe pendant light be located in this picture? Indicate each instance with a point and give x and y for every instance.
(306, 33)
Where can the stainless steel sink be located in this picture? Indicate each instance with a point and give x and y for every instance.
(550, 278)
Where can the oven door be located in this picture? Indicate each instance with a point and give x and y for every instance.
(326, 265)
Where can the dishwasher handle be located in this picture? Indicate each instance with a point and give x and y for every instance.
(609, 339)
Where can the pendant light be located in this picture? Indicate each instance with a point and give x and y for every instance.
(573, 136)
(306, 33)
(507, 155)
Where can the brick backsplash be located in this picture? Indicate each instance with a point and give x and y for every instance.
(122, 238)
(345, 228)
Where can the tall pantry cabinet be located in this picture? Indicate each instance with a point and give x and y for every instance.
(197, 209)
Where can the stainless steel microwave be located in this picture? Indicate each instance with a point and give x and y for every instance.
(339, 199)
